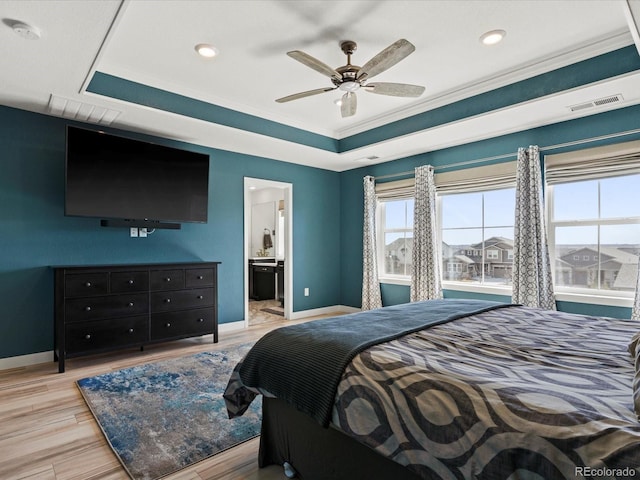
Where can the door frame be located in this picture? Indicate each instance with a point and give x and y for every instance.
(257, 183)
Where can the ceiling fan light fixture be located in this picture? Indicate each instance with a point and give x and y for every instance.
(349, 86)
(206, 50)
(492, 37)
(350, 78)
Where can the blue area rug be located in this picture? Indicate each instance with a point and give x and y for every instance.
(162, 417)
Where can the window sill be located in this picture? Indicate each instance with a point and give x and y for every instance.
(477, 288)
(395, 280)
(594, 298)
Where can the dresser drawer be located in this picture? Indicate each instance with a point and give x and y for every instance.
(93, 308)
(199, 277)
(177, 324)
(88, 336)
(178, 300)
(123, 282)
(167, 279)
(107, 307)
(86, 284)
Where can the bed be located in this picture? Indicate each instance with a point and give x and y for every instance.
(446, 389)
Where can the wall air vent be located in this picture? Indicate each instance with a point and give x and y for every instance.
(84, 112)
(597, 103)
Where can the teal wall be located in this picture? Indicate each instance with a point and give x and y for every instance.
(327, 206)
(34, 233)
(351, 188)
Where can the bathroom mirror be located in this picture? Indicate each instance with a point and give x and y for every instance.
(263, 229)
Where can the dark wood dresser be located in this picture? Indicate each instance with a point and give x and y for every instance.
(102, 308)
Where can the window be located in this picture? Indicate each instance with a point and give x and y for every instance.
(597, 221)
(396, 234)
(476, 228)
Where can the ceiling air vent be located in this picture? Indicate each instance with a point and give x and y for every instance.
(84, 112)
(608, 100)
(597, 103)
(370, 158)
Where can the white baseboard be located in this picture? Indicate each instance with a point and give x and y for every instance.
(25, 360)
(230, 327)
(323, 311)
(44, 357)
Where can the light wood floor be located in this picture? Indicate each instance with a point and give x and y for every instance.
(48, 433)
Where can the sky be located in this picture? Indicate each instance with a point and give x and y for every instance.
(609, 198)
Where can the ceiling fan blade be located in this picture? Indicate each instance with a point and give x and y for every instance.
(349, 104)
(314, 63)
(308, 93)
(386, 59)
(395, 89)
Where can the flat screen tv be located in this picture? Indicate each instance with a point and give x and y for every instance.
(138, 183)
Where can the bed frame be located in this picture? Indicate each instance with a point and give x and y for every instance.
(318, 453)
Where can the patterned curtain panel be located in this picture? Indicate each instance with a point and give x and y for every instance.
(532, 283)
(635, 312)
(371, 297)
(425, 275)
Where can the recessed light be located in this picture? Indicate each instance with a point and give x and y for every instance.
(493, 37)
(206, 50)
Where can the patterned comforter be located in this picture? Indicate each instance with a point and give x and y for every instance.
(512, 393)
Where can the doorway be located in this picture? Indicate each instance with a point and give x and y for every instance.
(268, 252)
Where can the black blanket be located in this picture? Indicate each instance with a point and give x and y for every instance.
(302, 364)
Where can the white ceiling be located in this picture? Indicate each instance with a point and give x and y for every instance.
(152, 42)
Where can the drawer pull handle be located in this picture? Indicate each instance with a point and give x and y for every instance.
(167, 300)
(200, 297)
(87, 309)
(168, 325)
(200, 277)
(88, 284)
(131, 282)
(131, 330)
(168, 279)
(131, 304)
(87, 336)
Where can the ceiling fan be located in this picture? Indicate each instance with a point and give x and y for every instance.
(351, 78)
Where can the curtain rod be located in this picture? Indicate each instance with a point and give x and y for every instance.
(509, 155)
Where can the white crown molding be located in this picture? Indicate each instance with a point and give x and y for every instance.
(539, 66)
(632, 14)
(493, 124)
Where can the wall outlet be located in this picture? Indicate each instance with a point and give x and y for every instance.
(134, 231)
(142, 232)
(306, 291)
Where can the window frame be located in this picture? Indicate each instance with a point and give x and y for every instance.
(618, 298)
(384, 277)
(473, 287)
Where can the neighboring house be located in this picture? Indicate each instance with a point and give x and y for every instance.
(576, 266)
(398, 256)
(494, 256)
(611, 269)
(459, 263)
